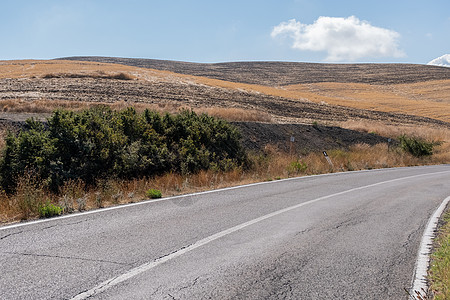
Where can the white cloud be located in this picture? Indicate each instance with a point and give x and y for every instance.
(344, 39)
(443, 61)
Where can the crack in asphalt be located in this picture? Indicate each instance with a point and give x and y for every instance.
(348, 223)
(155, 291)
(171, 297)
(302, 232)
(68, 257)
(63, 225)
(8, 235)
(45, 228)
(194, 282)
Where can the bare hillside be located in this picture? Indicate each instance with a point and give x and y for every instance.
(289, 73)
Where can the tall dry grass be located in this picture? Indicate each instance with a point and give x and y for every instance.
(43, 106)
(441, 135)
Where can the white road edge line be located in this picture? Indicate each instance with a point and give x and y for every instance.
(100, 210)
(420, 282)
(105, 285)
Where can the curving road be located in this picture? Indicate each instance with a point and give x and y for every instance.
(351, 235)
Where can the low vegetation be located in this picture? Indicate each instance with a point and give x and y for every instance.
(153, 194)
(48, 210)
(439, 273)
(416, 146)
(97, 75)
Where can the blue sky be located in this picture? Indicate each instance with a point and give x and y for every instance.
(217, 31)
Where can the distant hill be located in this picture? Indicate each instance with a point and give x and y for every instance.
(289, 73)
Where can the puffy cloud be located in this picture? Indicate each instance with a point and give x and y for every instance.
(443, 61)
(344, 39)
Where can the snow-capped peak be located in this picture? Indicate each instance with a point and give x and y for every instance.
(443, 61)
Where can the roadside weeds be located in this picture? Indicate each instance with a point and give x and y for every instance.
(439, 272)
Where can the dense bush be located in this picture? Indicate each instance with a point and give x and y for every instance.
(416, 146)
(102, 143)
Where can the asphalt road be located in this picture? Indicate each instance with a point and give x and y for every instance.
(352, 235)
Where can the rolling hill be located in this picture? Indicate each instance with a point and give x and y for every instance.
(420, 90)
(288, 73)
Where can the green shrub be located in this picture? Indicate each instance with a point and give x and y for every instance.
(417, 147)
(153, 194)
(48, 210)
(100, 143)
(297, 167)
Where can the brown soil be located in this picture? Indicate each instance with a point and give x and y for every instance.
(306, 137)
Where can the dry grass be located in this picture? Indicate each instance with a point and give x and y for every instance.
(442, 152)
(236, 114)
(426, 99)
(74, 196)
(47, 106)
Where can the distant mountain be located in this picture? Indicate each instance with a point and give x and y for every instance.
(443, 61)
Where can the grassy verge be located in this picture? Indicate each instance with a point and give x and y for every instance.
(439, 273)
